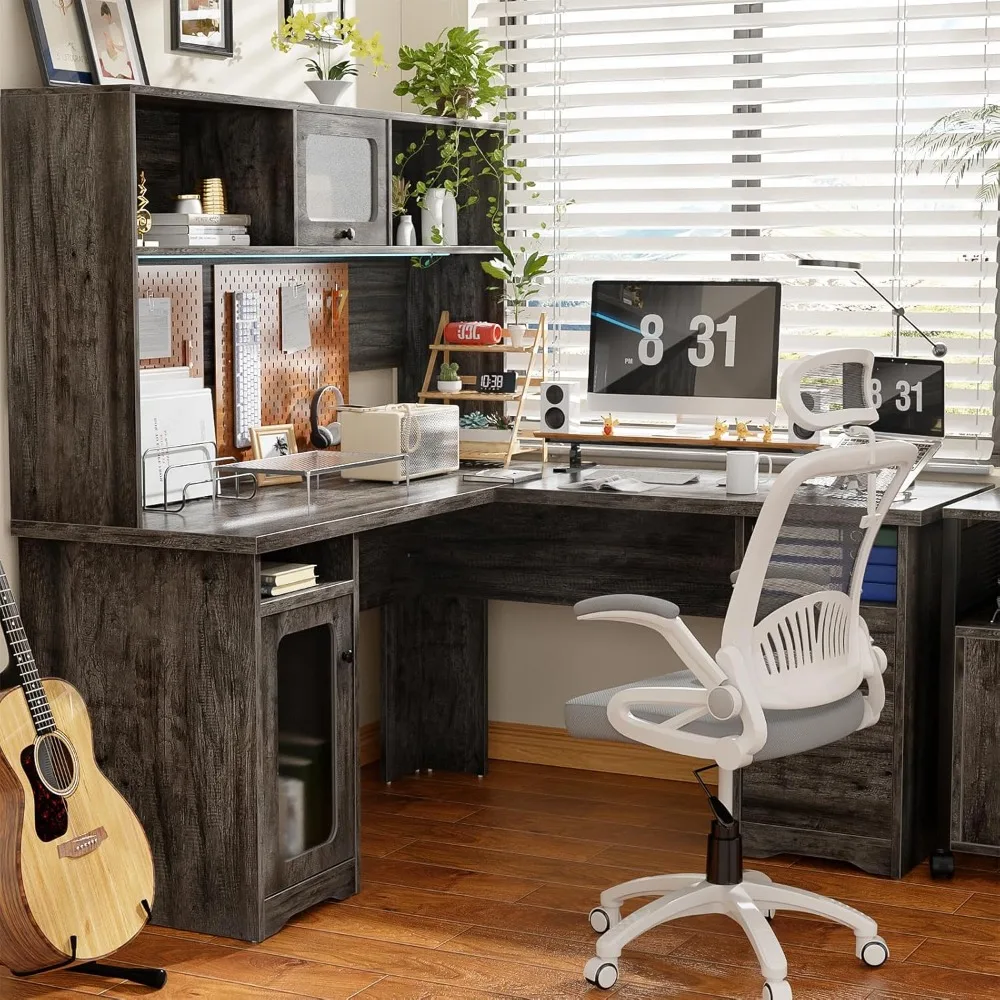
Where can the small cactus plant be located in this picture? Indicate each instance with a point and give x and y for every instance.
(448, 372)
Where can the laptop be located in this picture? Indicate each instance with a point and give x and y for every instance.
(909, 396)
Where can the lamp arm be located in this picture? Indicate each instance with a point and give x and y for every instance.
(898, 311)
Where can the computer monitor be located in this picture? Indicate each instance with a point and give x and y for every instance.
(909, 396)
(699, 347)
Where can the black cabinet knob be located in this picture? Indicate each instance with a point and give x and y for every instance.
(347, 656)
(347, 234)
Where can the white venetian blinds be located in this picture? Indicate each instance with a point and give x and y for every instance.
(712, 139)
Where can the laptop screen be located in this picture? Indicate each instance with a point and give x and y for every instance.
(909, 395)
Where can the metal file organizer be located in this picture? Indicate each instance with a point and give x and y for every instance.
(221, 474)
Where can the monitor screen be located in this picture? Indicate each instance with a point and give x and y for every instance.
(909, 396)
(687, 342)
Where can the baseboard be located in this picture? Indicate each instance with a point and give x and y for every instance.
(370, 743)
(555, 747)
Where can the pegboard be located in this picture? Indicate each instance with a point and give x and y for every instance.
(287, 380)
(182, 284)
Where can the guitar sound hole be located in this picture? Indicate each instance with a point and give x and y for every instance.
(56, 764)
(51, 816)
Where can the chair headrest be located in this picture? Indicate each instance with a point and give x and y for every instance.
(832, 389)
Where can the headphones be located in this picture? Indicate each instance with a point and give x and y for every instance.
(328, 435)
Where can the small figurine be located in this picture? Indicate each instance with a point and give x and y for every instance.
(768, 433)
(743, 432)
(610, 423)
(721, 429)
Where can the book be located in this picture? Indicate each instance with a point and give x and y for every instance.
(614, 483)
(157, 231)
(508, 476)
(882, 593)
(874, 573)
(883, 555)
(291, 588)
(279, 574)
(204, 241)
(183, 219)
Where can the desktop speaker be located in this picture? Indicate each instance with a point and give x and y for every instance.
(558, 406)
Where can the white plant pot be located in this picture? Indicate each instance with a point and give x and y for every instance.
(484, 435)
(406, 235)
(449, 386)
(518, 335)
(449, 219)
(432, 216)
(330, 91)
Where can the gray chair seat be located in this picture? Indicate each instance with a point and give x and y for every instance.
(788, 731)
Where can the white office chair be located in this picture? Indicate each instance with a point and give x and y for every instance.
(797, 670)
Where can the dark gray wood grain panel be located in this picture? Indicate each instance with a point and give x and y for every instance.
(163, 647)
(434, 685)
(69, 237)
(869, 854)
(338, 883)
(377, 313)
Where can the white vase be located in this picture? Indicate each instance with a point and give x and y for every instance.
(449, 219)
(406, 235)
(455, 386)
(518, 335)
(329, 91)
(432, 215)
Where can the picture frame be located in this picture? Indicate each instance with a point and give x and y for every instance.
(328, 8)
(116, 55)
(202, 27)
(262, 442)
(60, 41)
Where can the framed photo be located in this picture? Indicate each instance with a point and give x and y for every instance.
(204, 27)
(114, 42)
(324, 8)
(270, 442)
(60, 42)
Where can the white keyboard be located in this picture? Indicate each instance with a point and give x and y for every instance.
(246, 366)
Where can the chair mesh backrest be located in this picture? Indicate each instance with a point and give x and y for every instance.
(829, 390)
(833, 388)
(795, 610)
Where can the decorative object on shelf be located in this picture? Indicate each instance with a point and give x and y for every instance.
(188, 204)
(521, 274)
(456, 77)
(492, 428)
(432, 217)
(213, 196)
(406, 233)
(60, 43)
(743, 432)
(499, 382)
(143, 219)
(328, 38)
(768, 433)
(448, 379)
(202, 27)
(720, 430)
(449, 219)
(271, 442)
(114, 41)
(401, 189)
(610, 423)
(473, 333)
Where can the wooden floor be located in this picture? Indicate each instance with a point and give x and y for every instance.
(477, 889)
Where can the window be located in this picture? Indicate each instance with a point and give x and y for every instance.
(707, 139)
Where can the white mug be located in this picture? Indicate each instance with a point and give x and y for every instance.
(742, 471)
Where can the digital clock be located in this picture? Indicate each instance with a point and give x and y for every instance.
(500, 382)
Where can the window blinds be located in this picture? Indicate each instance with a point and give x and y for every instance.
(707, 139)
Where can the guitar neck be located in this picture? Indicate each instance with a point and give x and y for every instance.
(23, 659)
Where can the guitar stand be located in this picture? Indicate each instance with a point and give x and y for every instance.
(155, 979)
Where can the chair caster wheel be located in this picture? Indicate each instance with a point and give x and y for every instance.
(777, 991)
(600, 972)
(873, 952)
(942, 864)
(601, 919)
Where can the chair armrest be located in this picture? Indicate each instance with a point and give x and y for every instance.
(663, 617)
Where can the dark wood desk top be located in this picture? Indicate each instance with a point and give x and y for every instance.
(279, 517)
(984, 506)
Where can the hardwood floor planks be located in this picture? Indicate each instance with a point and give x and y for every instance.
(479, 889)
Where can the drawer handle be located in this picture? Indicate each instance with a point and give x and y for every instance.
(347, 656)
(347, 234)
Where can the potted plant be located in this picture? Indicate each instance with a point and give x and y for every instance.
(492, 428)
(964, 140)
(335, 43)
(448, 380)
(456, 76)
(521, 273)
(405, 234)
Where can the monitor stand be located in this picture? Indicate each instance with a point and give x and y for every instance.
(576, 462)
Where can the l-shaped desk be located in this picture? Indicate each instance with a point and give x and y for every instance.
(191, 677)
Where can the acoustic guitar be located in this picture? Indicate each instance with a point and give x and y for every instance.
(76, 873)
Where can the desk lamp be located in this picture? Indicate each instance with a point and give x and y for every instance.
(898, 312)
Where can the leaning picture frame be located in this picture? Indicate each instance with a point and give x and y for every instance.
(60, 41)
(272, 441)
(116, 54)
(202, 27)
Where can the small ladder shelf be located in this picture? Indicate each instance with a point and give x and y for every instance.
(501, 451)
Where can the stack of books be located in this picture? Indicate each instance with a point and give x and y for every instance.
(175, 229)
(879, 584)
(277, 579)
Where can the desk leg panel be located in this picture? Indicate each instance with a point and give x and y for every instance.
(434, 685)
